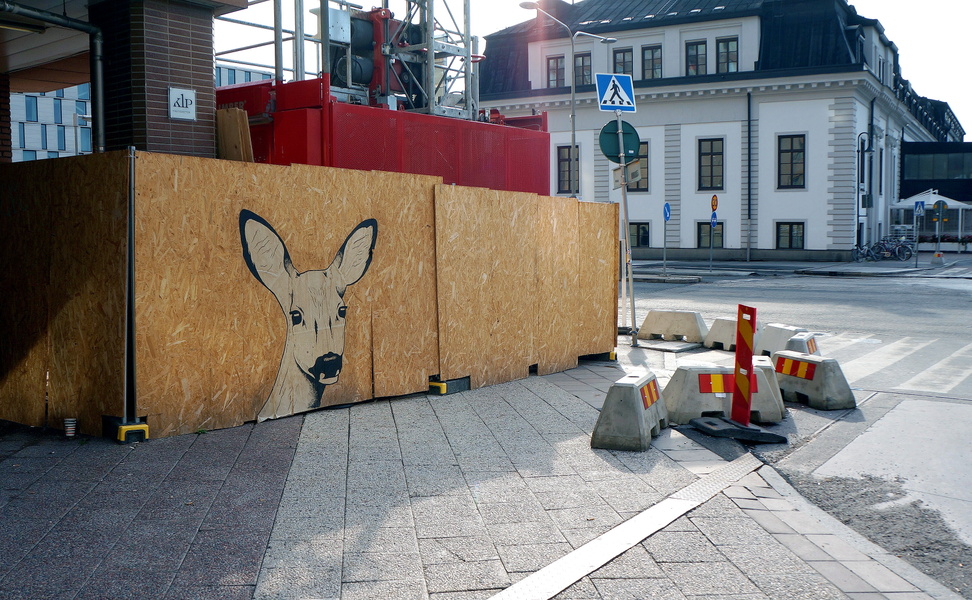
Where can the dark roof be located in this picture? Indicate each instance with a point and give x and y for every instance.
(795, 33)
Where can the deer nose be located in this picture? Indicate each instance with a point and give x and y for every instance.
(328, 366)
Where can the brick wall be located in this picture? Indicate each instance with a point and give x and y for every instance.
(6, 133)
(151, 45)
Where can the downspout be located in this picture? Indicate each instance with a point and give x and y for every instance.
(96, 62)
(749, 175)
(870, 170)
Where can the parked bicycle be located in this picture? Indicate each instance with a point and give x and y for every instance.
(862, 252)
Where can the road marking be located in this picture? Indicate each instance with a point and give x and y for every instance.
(881, 358)
(945, 375)
(568, 570)
(832, 343)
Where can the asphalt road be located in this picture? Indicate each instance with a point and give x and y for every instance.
(899, 468)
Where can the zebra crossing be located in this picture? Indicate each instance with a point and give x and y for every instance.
(953, 272)
(937, 366)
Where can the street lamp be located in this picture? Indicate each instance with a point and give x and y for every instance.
(859, 184)
(574, 182)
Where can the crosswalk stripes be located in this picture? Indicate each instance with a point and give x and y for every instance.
(935, 366)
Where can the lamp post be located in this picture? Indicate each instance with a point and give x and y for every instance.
(574, 181)
(859, 184)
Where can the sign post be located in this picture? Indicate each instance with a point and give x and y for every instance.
(919, 212)
(667, 213)
(615, 92)
(712, 228)
(742, 392)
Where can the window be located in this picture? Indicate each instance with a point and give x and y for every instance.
(881, 171)
(789, 236)
(61, 138)
(22, 134)
(651, 62)
(58, 118)
(642, 185)
(31, 107)
(695, 58)
(792, 162)
(84, 91)
(85, 139)
(703, 229)
(566, 177)
(230, 76)
(43, 137)
(710, 164)
(624, 61)
(29, 155)
(59, 93)
(727, 51)
(582, 69)
(638, 233)
(555, 71)
(52, 155)
(247, 76)
(81, 108)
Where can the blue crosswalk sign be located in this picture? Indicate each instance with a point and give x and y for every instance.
(615, 91)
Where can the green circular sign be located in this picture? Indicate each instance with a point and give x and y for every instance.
(608, 140)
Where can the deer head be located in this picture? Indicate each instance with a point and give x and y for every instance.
(313, 306)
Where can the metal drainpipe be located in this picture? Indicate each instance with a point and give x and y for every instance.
(96, 61)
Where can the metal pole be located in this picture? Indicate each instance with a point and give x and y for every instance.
(627, 229)
(574, 166)
(325, 27)
(665, 248)
(299, 67)
(278, 40)
(711, 235)
(914, 228)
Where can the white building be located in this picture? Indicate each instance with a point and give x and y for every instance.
(792, 112)
(52, 124)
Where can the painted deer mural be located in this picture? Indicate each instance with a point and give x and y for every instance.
(313, 305)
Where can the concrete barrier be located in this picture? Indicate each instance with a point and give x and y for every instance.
(813, 380)
(633, 413)
(804, 342)
(773, 338)
(722, 334)
(673, 325)
(706, 391)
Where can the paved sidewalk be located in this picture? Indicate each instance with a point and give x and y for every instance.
(453, 498)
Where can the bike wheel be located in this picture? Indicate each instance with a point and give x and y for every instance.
(857, 255)
(903, 253)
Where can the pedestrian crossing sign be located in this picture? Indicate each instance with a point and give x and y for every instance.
(615, 91)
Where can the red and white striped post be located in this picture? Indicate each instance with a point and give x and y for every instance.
(744, 376)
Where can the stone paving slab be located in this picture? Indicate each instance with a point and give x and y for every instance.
(448, 498)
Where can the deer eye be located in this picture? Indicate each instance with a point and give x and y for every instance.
(296, 318)
(342, 311)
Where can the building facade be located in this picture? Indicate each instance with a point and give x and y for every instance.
(791, 112)
(55, 124)
(52, 124)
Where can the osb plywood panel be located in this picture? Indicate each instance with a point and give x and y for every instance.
(66, 225)
(486, 269)
(87, 285)
(560, 299)
(25, 201)
(598, 277)
(405, 340)
(210, 335)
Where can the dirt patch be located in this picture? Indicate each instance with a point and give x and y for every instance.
(879, 510)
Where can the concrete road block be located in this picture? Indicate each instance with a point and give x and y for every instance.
(805, 343)
(673, 325)
(814, 380)
(773, 338)
(722, 334)
(706, 391)
(767, 407)
(633, 413)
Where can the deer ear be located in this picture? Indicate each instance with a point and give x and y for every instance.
(353, 259)
(265, 253)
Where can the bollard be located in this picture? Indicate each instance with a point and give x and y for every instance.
(632, 414)
(673, 325)
(805, 343)
(813, 380)
(704, 391)
(774, 337)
